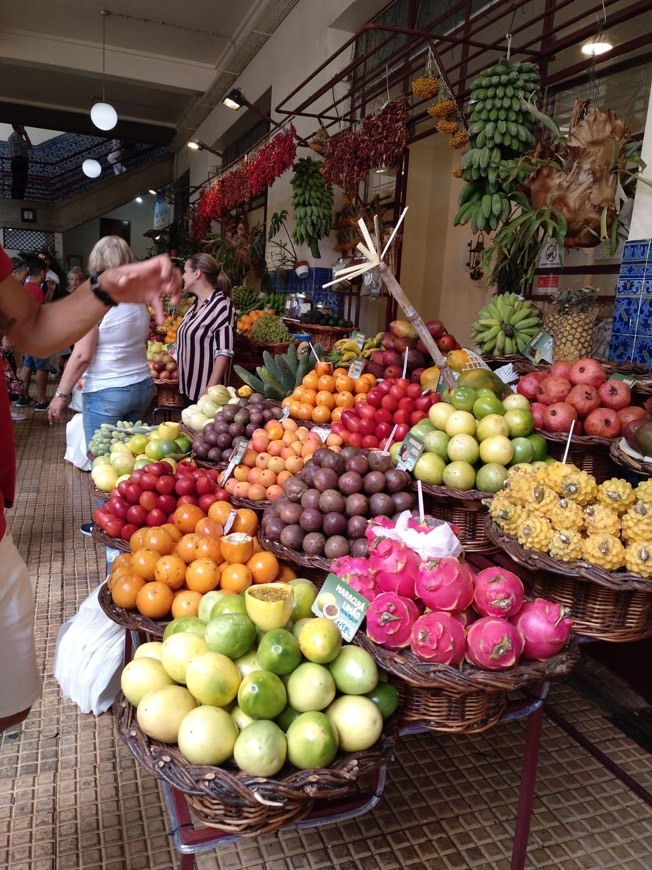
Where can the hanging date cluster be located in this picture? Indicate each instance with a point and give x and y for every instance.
(380, 141)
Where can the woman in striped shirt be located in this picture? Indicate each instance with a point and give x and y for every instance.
(205, 335)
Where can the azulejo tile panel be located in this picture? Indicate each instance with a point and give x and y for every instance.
(636, 250)
(621, 347)
(643, 350)
(644, 319)
(629, 286)
(626, 312)
(632, 270)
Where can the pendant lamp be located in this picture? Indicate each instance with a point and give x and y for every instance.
(103, 115)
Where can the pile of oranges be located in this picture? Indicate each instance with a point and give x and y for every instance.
(246, 322)
(172, 566)
(322, 398)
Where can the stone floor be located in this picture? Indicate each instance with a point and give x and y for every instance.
(72, 795)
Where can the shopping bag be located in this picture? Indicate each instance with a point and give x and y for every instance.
(76, 401)
(76, 444)
(88, 657)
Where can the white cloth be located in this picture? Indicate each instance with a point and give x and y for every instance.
(20, 681)
(120, 353)
(76, 444)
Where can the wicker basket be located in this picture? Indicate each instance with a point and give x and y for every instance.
(101, 537)
(589, 453)
(130, 619)
(464, 509)
(235, 803)
(168, 395)
(274, 347)
(317, 563)
(614, 606)
(444, 698)
(324, 335)
(626, 460)
(94, 492)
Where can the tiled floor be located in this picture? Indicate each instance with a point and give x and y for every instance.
(72, 796)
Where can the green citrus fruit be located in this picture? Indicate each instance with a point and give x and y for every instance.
(358, 721)
(320, 640)
(260, 748)
(231, 634)
(286, 717)
(207, 735)
(213, 678)
(184, 623)
(385, 697)
(247, 663)
(278, 652)
(310, 687)
(241, 719)
(312, 741)
(296, 628)
(161, 712)
(354, 671)
(229, 604)
(305, 593)
(262, 695)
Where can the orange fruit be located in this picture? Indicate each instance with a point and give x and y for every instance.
(209, 548)
(340, 371)
(290, 424)
(309, 397)
(202, 575)
(186, 517)
(209, 528)
(143, 562)
(326, 398)
(286, 401)
(344, 383)
(154, 600)
(220, 511)
(310, 380)
(185, 603)
(295, 405)
(336, 414)
(237, 547)
(122, 559)
(367, 376)
(286, 574)
(359, 397)
(125, 590)
(172, 531)
(326, 382)
(170, 570)
(235, 578)
(264, 567)
(362, 385)
(246, 520)
(187, 547)
(344, 399)
(158, 539)
(305, 412)
(321, 414)
(136, 540)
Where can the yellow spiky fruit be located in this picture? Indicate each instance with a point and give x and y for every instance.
(566, 545)
(534, 534)
(638, 558)
(579, 486)
(617, 494)
(518, 484)
(601, 520)
(643, 492)
(554, 473)
(637, 523)
(541, 500)
(507, 515)
(606, 551)
(567, 515)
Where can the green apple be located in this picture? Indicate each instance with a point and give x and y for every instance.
(492, 424)
(516, 400)
(462, 398)
(459, 475)
(460, 423)
(429, 468)
(523, 450)
(520, 422)
(422, 428)
(463, 447)
(496, 448)
(439, 413)
(437, 442)
(485, 405)
(491, 477)
(539, 444)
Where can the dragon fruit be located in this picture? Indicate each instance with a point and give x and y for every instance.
(493, 644)
(354, 570)
(395, 567)
(466, 617)
(390, 618)
(382, 522)
(438, 637)
(545, 626)
(497, 592)
(445, 584)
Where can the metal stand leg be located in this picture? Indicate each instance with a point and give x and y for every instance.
(526, 791)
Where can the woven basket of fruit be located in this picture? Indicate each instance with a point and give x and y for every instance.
(463, 509)
(274, 347)
(94, 492)
(130, 619)
(587, 452)
(235, 803)
(317, 563)
(327, 335)
(624, 455)
(168, 395)
(101, 537)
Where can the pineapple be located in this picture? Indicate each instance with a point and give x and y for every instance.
(541, 500)
(643, 492)
(617, 494)
(535, 534)
(638, 558)
(579, 486)
(601, 520)
(507, 515)
(606, 551)
(567, 515)
(572, 324)
(566, 545)
(637, 523)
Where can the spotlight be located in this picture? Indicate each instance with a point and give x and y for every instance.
(235, 100)
(139, 199)
(194, 146)
(153, 192)
(91, 168)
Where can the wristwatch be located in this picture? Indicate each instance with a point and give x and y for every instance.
(61, 395)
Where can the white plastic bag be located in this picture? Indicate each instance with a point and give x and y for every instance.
(76, 444)
(433, 544)
(76, 401)
(88, 657)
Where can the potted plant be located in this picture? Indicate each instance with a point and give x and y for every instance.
(281, 253)
(239, 249)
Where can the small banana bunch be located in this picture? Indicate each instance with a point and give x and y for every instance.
(506, 325)
(343, 351)
(312, 203)
(500, 131)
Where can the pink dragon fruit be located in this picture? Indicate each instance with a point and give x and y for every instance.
(493, 644)
(545, 626)
(395, 567)
(354, 570)
(390, 618)
(445, 584)
(383, 522)
(497, 592)
(438, 637)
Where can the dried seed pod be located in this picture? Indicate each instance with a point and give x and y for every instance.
(442, 109)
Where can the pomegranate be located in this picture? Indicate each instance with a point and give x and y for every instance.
(602, 422)
(626, 415)
(551, 390)
(558, 417)
(588, 371)
(584, 398)
(545, 626)
(527, 385)
(560, 370)
(497, 592)
(615, 394)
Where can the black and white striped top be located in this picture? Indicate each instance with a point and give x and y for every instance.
(205, 332)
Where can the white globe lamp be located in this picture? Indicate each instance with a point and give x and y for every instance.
(104, 116)
(91, 168)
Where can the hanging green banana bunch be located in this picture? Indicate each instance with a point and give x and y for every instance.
(312, 203)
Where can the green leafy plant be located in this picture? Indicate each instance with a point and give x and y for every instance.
(280, 251)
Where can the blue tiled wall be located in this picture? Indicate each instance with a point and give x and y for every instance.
(631, 335)
(312, 284)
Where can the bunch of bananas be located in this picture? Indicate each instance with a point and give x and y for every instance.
(312, 203)
(346, 349)
(275, 301)
(500, 131)
(246, 299)
(506, 325)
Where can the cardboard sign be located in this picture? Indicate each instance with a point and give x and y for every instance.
(340, 603)
(358, 338)
(540, 348)
(409, 451)
(356, 368)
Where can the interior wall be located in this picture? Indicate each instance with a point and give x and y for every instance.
(80, 240)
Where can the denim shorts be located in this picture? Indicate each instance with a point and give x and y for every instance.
(116, 403)
(35, 362)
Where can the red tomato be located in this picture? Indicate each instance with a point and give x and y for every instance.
(415, 416)
(167, 503)
(118, 507)
(370, 441)
(185, 484)
(383, 416)
(401, 415)
(390, 402)
(404, 383)
(136, 476)
(407, 403)
(413, 390)
(123, 486)
(366, 411)
(113, 526)
(423, 402)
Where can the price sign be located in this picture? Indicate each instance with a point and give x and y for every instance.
(342, 604)
(356, 368)
(236, 456)
(626, 379)
(410, 450)
(358, 338)
(540, 348)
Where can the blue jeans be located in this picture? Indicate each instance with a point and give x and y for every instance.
(116, 403)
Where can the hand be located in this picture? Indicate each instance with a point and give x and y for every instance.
(56, 409)
(150, 282)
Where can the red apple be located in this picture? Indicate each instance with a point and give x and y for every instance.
(537, 410)
(558, 417)
(137, 515)
(370, 441)
(603, 422)
(626, 415)
(527, 386)
(415, 376)
(584, 398)
(382, 415)
(167, 503)
(414, 390)
(389, 402)
(446, 342)
(560, 370)
(402, 416)
(391, 358)
(206, 500)
(382, 429)
(415, 416)
(393, 372)
(588, 371)
(127, 530)
(133, 493)
(436, 328)
(374, 397)
(366, 411)
(552, 390)
(422, 403)
(615, 394)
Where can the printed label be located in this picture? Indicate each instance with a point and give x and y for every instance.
(340, 603)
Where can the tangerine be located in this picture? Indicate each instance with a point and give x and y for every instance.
(326, 382)
(202, 575)
(154, 600)
(246, 521)
(321, 414)
(143, 562)
(209, 548)
(305, 412)
(362, 385)
(122, 559)
(295, 405)
(158, 539)
(120, 571)
(187, 547)
(325, 398)
(264, 567)
(207, 527)
(220, 511)
(344, 383)
(236, 578)
(170, 570)
(336, 414)
(237, 547)
(310, 380)
(344, 399)
(186, 603)
(125, 591)
(186, 517)
(309, 397)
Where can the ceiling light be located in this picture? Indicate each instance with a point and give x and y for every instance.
(91, 168)
(194, 146)
(153, 192)
(139, 199)
(235, 99)
(597, 46)
(103, 115)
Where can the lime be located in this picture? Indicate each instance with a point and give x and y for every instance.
(320, 640)
(305, 593)
(207, 735)
(354, 671)
(184, 623)
(385, 697)
(286, 717)
(231, 634)
(310, 687)
(312, 741)
(262, 695)
(260, 749)
(539, 444)
(213, 679)
(523, 450)
(278, 651)
(229, 604)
